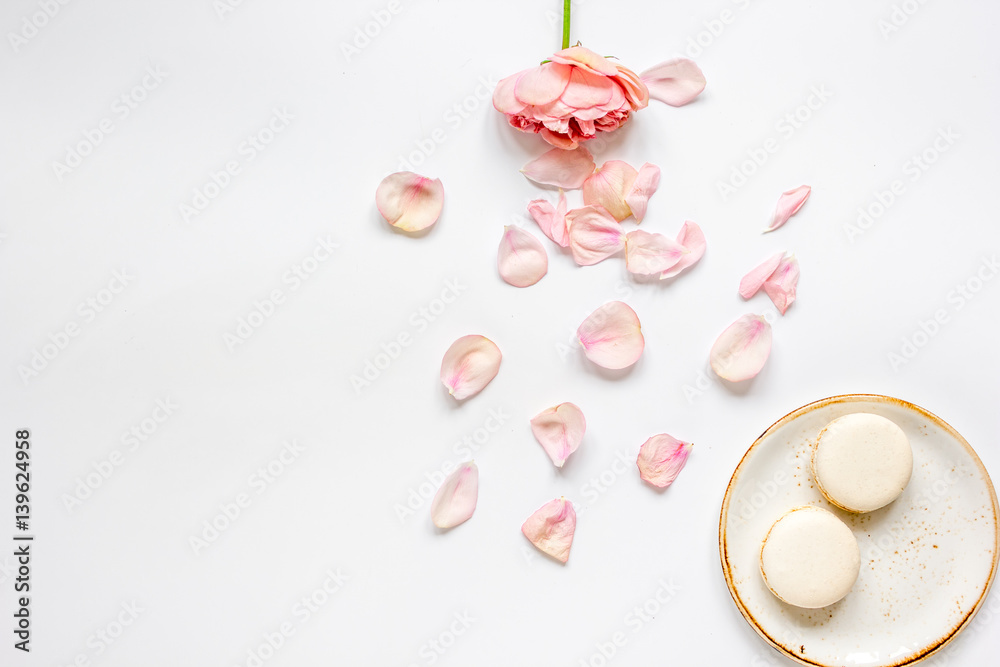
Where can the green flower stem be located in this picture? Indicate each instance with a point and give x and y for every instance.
(565, 42)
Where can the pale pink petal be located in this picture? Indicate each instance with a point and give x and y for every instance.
(593, 235)
(586, 90)
(649, 254)
(561, 168)
(542, 84)
(504, 100)
(408, 201)
(609, 187)
(551, 528)
(559, 431)
(469, 365)
(585, 59)
(661, 459)
(693, 240)
(558, 140)
(521, 259)
(782, 284)
(612, 336)
(646, 182)
(675, 82)
(456, 500)
(551, 219)
(741, 350)
(754, 280)
(789, 204)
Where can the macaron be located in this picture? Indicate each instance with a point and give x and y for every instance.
(810, 558)
(862, 462)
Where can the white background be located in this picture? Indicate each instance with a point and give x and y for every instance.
(354, 115)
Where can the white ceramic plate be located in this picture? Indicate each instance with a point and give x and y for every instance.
(927, 560)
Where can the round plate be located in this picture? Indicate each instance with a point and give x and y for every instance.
(927, 559)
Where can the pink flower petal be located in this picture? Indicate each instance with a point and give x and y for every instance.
(789, 204)
(504, 99)
(586, 90)
(521, 259)
(469, 365)
(551, 528)
(754, 280)
(593, 235)
(609, 186)
(612, 336)
(559, 431)
(455, 501)
(561, 168)
(781, 285)
(585, 59)
(693, 240)
(675, 82)
(542, 84)
(661, 459)
(741, 350)
(551, 219)
(408, 201)
(648, 254)
(646, 182)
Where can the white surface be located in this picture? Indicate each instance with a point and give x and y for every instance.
(926, 559)
(162, 336)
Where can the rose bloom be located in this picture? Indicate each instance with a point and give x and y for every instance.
(571, 97)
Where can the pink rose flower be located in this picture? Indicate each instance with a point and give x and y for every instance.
(571, 97)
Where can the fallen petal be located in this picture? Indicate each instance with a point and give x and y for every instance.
(649, 254)
(593, 235)
(551, 528)
(521, 258)
(561, 168)
(758, 275)
(469, 365)
(789, 204)
(612, 336)
(783, 282)
(609, 186)
(675, 82)
(741, 350)
(559, 431)
(409, 201)
(661, 459)
(455, 501)
(551, 219)
(646, 182)
(693, 240)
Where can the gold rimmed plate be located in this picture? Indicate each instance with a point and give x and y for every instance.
(928, 559)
